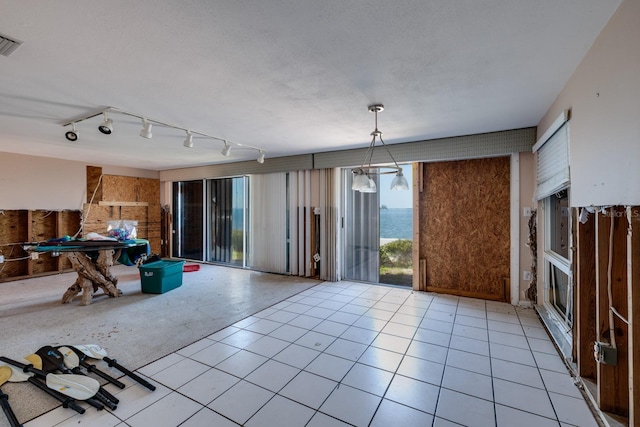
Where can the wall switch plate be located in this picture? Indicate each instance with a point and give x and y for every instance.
(526, 275)
(35, 255)
(526, 211)
(1, 259)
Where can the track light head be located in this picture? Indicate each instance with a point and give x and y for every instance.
(189, 141)
(261, 157)
(227, 149)
(72, 135)
(146, 129)
(107, 125)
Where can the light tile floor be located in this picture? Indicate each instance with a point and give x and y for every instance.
(355, 354)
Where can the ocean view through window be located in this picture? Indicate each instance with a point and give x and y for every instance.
(396, 231)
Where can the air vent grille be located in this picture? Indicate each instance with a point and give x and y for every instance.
(7, 45)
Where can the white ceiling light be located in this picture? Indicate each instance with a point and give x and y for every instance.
(189, 141)
(146, 129)
(72, 135)
(362, 180)
(107, 125)
(227, 149)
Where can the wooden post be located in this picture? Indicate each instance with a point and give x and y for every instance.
(417, 283)
(633, 286)
(613, 380)
(585, 293)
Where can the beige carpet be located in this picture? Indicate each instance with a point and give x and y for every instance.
(136, 328)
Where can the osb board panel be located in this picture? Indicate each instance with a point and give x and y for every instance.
(44, 226)
(129, 189)
(99, 216)
(613, 380)
(13, 229)
(464, 226)
(94, 184)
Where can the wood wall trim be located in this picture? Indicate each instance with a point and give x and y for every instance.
(613, 380)
(585, 295)
(633, 287)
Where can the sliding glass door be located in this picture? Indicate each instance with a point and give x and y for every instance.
(226, 216)
(378, 231)
(361, 232)
(188, 225)
(209, 220)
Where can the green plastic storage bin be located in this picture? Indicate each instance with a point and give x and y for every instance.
(161, 276)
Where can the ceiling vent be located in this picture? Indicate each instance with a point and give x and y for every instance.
(7, 45)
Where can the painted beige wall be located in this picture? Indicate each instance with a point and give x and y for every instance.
(603, 95)
(527, 180)
(31, 182)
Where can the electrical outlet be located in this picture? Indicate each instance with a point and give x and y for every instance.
(526, 211)
(526, 275)
(35, 255)
(1, 259)
(605, 353)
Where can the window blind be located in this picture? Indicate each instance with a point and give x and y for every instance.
(552, 167)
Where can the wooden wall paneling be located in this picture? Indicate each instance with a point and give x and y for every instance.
(43, 226)
(585, 295)
(148, 190)
(119, 188)
(94, 184)
(613, 380)
(633, 289)
(464, 225)
(13, 229)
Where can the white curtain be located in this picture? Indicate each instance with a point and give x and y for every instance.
(268, 222)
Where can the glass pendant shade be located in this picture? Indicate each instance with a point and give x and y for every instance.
(360, 180)
(399, 182)
(370, 187)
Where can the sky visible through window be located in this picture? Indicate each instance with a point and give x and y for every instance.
(396, 199)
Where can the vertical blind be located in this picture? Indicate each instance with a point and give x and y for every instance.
(268, 222)
(329, 178)
(552, 168)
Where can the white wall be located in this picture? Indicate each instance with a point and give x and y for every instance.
(603, 95)
(31, 182)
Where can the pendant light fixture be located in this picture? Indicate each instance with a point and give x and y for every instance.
(362, 180)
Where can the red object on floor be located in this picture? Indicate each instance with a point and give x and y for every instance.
(191, 267)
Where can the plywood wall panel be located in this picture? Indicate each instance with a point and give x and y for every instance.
(94, 184)
(13, 229)
(465, 225)
(44, 226)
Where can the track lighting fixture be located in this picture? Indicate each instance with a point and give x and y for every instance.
(107, 126)
(146, 129)
(189, 141)
(72, 135)
(226, 150)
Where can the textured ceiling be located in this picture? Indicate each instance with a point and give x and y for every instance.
(288, 76)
